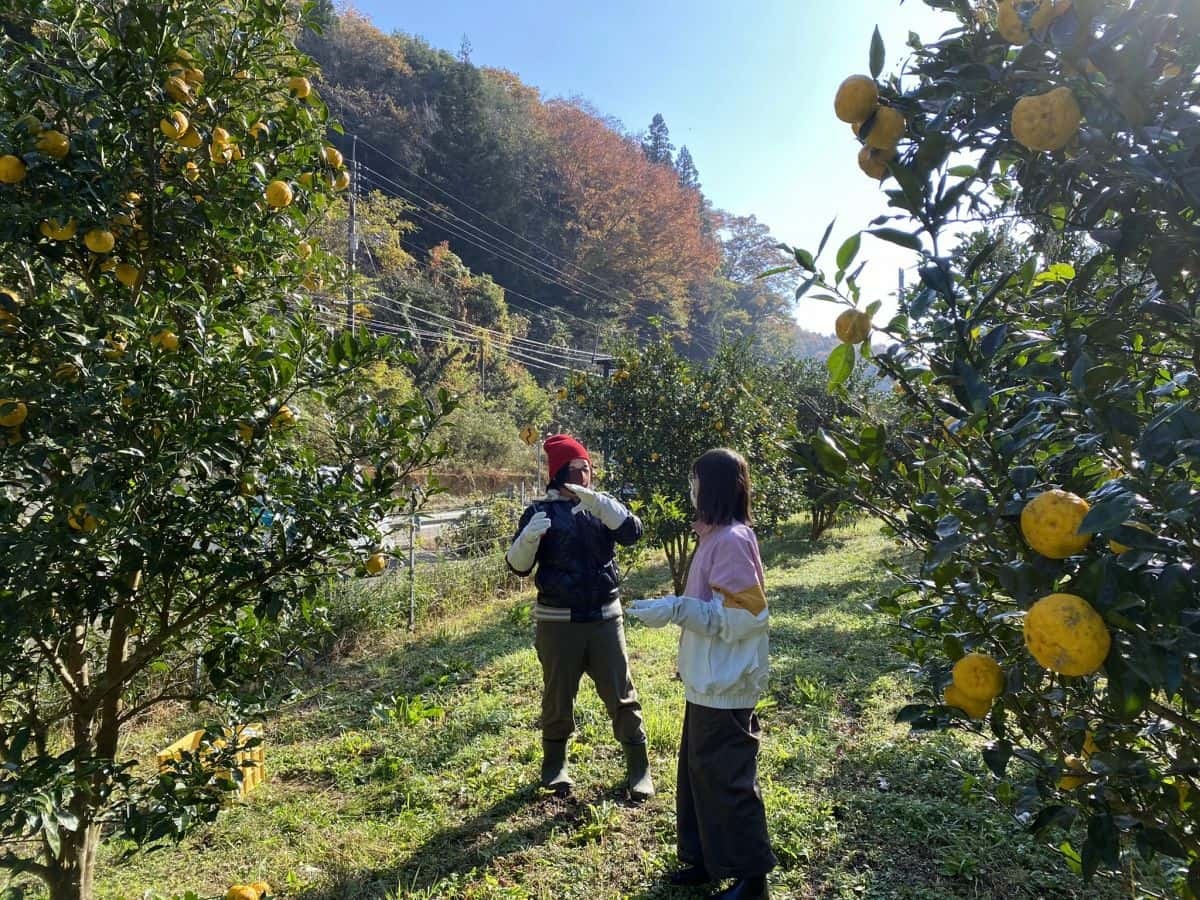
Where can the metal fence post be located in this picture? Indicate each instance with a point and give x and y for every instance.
(412, 573)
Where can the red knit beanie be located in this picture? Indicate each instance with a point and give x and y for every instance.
(561, 449)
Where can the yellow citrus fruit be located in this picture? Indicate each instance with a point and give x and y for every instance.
(976, 709)
(852, 326)
(305, 179)
(856, 98)
(278, 194)
(12, 169)
(1046, 121)
(193, 76)
(66, 372)
(58, 231)
(300, 86)
(342, 181)
(376, 563)
(241, 892)
(191, 138)
(874, 162)
(304, 250)
(1050, 522)
(80, 519)
(99, 240)
(1066, 635)
(176, 126)
(1067, 782)
(12, 413)
(182, 54)
(166, 340)
(978, 676)
(887, 129)
(8, 322)
(1118, 548)
(242, 75)
(191, 172)
(262, 889)
(283, 418)
(332, 157)
(115, 346)
(1039, 13)
(220, 135)
(220, 153)
(245, 432)
(54, 143)
(126, 274)
(178, 89)
(259, 130)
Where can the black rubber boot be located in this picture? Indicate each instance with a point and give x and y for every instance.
(689, 876)
(745, 889)
(637, 770)
(555, 776)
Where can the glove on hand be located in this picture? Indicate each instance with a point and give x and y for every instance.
(523, 552)
(531, 534)
(609, 510)
(654, 613)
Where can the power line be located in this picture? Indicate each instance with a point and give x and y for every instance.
(558, 310)
(540, 345)
(429, 215)
(457, 325)
(477, 212)
(445, 215)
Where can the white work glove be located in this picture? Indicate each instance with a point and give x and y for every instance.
(654, 613)
(523, 552)
(609, 510)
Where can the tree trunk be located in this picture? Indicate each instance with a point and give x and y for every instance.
(73, 873)
(822, 518)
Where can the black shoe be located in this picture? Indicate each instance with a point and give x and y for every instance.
(745, 889)
(689, 876)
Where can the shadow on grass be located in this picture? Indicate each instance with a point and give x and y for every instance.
(791, 545)
(344, 691)
(456, 851)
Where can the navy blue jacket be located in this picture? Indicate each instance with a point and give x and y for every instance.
(577, 574)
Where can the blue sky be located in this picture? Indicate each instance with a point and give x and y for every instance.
(748, 88)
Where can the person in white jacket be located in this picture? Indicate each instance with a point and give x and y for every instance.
(721, 824)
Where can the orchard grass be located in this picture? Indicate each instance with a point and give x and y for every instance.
(407, 768)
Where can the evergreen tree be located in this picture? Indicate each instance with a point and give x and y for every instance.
(689, 177)
(657, 142)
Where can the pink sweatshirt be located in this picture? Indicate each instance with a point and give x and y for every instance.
(723, 646)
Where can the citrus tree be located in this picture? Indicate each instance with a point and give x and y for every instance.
(658, 412)
(1046, 468)
(163, 522)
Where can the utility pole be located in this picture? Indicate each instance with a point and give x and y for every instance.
(352, 236)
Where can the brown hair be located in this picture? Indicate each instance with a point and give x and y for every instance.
(724, 490)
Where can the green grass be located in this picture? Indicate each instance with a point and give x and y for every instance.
(408, 769)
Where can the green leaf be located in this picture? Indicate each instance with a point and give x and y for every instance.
(848, 250)
(840, 364)
(877, 53)
(997, 754)
(773, 271)
(1107, 514)
(1057, 273)
(804, 259)
(829, 454)
(896, 236)
(963, 171)
(825, 236)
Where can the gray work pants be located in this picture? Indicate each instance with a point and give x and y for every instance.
(568, 649)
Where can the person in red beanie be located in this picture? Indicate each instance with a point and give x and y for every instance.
(570, 535)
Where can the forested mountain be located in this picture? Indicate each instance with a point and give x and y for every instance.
(595, 235)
